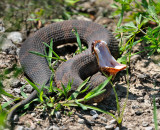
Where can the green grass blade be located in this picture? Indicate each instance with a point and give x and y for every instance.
(41, 96)
(55, 54)
(98, 88)
(121, 17)
(33, 85)
(78, 39)
(69, 86)
(27, 105)
(100, 110)
(81, 105)
(84, 90)
(50, 52)
(8, 103)
(22, 92)
(39, 54)
(2, 91)
(64, 90)
(77, 92)
(155, 114)
(116, 96)
(94, 95)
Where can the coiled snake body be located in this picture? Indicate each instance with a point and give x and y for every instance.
(77, 69)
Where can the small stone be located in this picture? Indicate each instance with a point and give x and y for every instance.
(17, 51)
(15, 37)
(93, 112)
(19, 128)
(140, 99)
(109, 127)
(81, 17)
(134, 58)
(95, 116)
(81, 121)
(135, 107)
(17, 90)
(7, 46)
(58, 114)
(145, 124)
(113, 121)
(33, 114)
(15, 118)
(103, 119)
(141, 76)
(149, 128)
(28, 89)
(117, 128)
(15, 83)
(54, 128)
(2, 28)
(138, 113)
(157, 99)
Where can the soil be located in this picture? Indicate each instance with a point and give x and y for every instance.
(144, 84)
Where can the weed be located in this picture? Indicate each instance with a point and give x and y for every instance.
(143, 13)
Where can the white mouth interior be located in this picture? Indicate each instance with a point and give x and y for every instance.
(105, 57)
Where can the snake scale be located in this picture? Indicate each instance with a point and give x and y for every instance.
(77, 69)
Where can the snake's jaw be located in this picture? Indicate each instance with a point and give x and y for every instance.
(106, 61)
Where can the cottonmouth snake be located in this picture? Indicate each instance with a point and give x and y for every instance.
(78, 68)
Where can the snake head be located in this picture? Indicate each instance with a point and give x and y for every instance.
(106, 61)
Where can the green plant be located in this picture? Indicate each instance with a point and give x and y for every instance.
(140, 18)
(31, 13)
(143, 20)
(64, 100)
(15, 71)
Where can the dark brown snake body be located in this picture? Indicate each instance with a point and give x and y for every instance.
(77, 69)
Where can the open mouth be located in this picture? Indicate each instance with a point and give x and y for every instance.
(106, 61)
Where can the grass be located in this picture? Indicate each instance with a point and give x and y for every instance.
(142, 13)
(63, 99)
(128, 29)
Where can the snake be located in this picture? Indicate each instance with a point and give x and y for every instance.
(100, 56)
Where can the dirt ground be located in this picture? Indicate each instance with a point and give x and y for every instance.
(144, 83)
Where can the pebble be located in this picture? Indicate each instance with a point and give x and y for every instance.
(15, 37)
(138, 113)
(95, 116)
(93, 112)
(149, 128)
(109, 127)
(145, 124)
(135, 107)
(117, 128)
(54, 128)
(17, 51)
(15, 118)
(58, 114)
(28, 89)
(141, 76)
(81, 121)
(17, 90)
(2, 28)
(7, 46)
(81, 17)
(134, 58)
(140, 99)
(103, 119)
(157, 99)
(15, 83)
(19, 128)
(33, 114)
(113, 121)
